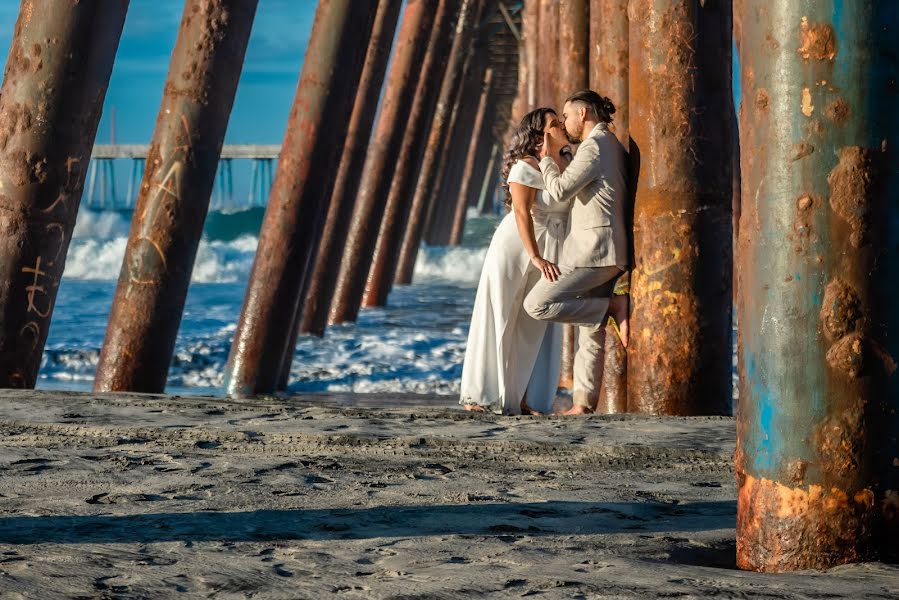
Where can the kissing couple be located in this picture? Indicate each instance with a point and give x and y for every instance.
(554, 259)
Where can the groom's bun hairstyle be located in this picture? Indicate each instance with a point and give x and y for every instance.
(601, 106)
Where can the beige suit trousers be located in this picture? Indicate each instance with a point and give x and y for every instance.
(581, 297)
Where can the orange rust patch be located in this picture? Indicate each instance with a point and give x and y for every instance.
(848, 355)
(837, 111)
(866, 497)
(815, 127)
(783, 528)
(801, 150)
(762, 100)
(841, 309)
(852, 183)
(817, 41)
(807, 107)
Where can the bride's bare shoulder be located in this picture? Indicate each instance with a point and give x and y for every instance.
(531, 161)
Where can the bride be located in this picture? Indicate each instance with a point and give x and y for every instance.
(512, 361)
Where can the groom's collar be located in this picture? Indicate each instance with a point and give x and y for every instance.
(599, 127)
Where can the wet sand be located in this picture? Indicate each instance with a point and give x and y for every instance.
(380, 496)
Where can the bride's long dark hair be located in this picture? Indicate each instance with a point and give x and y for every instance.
(525, 140)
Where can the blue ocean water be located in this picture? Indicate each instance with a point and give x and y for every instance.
(415, 344)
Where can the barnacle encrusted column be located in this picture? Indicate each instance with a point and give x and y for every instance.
(817, 462)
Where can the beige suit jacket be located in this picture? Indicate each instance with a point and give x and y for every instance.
(596, 182)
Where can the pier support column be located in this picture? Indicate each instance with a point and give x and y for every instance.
(380, 163)
(442, 205)
(437, 139)
(307, 166)
(609, 77)
(311, 310)
(548, 66)
(51, 99)
(399, 200)
(679, 89)
(817, 426)
(174, 196)
(476, 158)
(573, 47)
(530, 44)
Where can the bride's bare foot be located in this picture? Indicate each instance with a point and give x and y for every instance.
(619, 309)
(577, 409)
(474, 408)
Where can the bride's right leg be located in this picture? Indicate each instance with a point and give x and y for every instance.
(474, 408)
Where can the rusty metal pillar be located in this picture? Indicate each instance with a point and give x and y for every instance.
(609, 59)
(679, 358)
(817, 424)
(574, 49)
(547, 54)
(465, 28)
(303, 183)
(476, 158)
(311, 311)
(530, 31)
(609, 77)
(443, 200)
(387, 140)
(51, 99)
(399, 200)
(174, 196)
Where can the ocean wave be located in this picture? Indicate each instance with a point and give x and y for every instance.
(457, 264)
(99, 241)
(98, 246)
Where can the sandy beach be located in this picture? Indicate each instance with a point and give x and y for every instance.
(371, 496)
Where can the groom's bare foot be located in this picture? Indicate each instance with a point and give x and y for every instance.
(619, 309)
(474, 408)
(577, 409)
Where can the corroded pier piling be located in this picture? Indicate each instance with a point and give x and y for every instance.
(318, 292)
(380, 163)
(409, 160)
(174, 197)
(609, 77)
(819, 251)
(679, 358)
(54, 85)
(440, 125)
(307, 167)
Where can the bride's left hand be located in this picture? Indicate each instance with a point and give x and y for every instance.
(550, 270)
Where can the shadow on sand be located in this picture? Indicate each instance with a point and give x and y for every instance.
(478, 519)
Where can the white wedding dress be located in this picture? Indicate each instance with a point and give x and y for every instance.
(509, 352)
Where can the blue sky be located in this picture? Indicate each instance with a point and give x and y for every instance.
(275, 54)
(274, 57)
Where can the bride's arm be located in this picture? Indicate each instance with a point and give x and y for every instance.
(522, 199)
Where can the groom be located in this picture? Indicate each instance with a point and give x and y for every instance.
(595, 252)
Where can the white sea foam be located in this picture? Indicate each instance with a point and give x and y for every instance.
(457, 264)
(99, 241)
(98, 246)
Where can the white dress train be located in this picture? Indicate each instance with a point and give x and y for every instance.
(509, 352)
